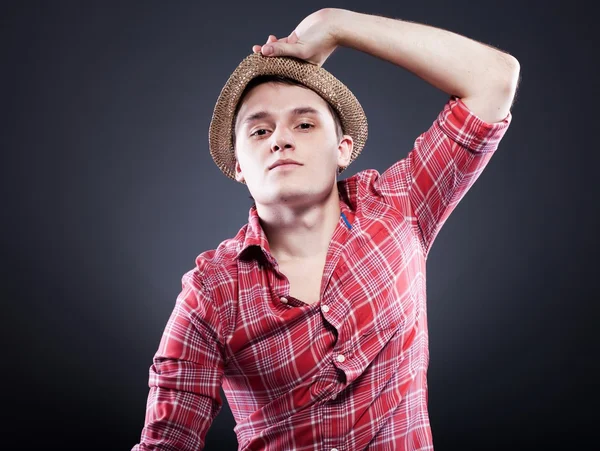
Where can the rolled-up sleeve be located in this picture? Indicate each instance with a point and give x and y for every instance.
(186, 374)
(444, 163)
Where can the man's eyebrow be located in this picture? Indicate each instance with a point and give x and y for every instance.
(298, 111)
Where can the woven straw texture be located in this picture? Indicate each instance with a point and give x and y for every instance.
(220, 136)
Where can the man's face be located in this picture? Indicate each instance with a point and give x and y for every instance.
(285, 122)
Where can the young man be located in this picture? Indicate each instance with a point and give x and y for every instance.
(313, 318)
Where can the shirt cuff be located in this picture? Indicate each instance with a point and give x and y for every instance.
(470, 131)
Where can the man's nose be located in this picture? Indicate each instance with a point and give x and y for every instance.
(282, 139)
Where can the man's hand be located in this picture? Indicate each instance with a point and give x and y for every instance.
(313, 40)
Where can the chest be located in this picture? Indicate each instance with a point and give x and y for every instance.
(305, 278)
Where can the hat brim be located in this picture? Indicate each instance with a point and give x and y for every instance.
(332, 90)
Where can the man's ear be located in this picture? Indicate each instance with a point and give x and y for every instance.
(345, 150)
(238, 172)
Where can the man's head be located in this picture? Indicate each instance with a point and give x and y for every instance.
(278, 118)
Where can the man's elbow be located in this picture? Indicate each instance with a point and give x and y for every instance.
(511, 76)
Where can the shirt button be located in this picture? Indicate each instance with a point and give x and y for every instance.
(341, 358)
(325, 308)
(284, 300)
(334, 396)
(334, 449)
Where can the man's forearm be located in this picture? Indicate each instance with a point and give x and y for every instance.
(483, 77)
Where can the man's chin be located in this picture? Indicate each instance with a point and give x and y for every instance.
(289, 194)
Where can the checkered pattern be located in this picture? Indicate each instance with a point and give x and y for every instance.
(346, 373)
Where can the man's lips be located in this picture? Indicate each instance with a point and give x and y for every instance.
(286, 165)
(285, 162)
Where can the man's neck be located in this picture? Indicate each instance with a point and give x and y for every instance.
(296, 234)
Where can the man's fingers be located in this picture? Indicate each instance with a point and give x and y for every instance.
(273, 39)
(282, 49)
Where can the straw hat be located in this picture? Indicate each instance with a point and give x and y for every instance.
(349, 110)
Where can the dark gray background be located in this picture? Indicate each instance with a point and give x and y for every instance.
(109, 194)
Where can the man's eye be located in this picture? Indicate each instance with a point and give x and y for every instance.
(262, 131)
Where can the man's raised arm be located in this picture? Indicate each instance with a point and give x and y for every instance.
(483, 77)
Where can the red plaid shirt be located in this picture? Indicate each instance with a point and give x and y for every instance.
(348, 372)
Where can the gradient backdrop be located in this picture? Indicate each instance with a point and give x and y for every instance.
(109, 194)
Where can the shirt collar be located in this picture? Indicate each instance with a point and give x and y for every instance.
(255, 237)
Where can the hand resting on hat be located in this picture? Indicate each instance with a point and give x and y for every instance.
(313, 40)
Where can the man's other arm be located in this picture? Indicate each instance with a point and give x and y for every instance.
(186, 374)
